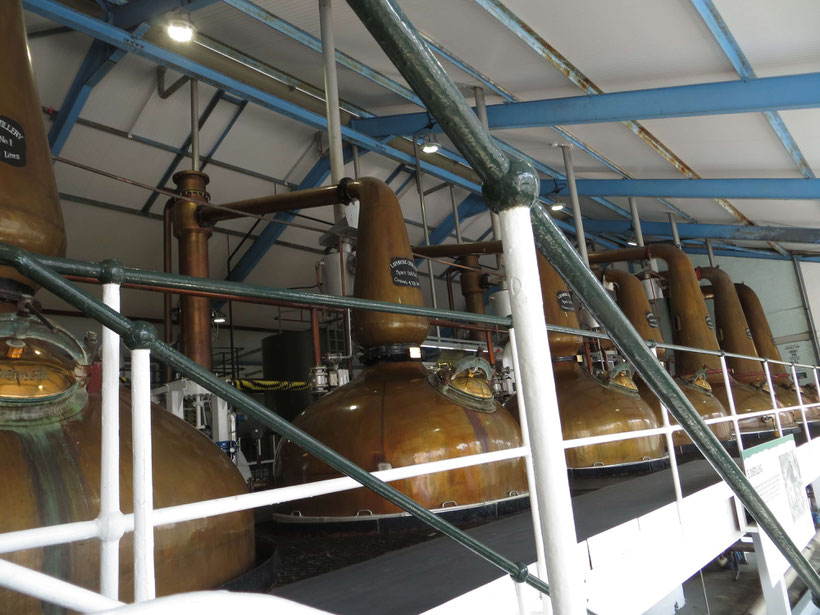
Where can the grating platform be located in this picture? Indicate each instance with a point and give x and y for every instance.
(418, 578)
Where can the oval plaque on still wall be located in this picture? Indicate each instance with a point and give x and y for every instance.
(12, 142)
(403, 271)
(565, 301)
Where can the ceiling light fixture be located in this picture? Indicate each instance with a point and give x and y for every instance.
(218, 317)
(557, 206)
(180, 28)
(429, 144)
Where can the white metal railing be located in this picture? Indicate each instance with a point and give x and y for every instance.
(112, 524)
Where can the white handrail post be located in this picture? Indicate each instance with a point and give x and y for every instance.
(767, 370)
(531, 484)
(544, 423)
(110, 530)
(144, 586)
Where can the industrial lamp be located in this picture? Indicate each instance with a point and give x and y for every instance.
(218, 317)
(180, 27)
(557, 206)
(429, 144)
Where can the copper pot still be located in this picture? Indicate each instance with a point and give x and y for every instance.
(594, 405)
(693, 326)
(635, 305)
(50, 425)
(396, 413)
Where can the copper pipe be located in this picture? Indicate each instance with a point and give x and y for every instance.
(759, 328)
(167, 267)
(459, 249)
(471, 289)
(314, 327)
(193, 261)
(732, 329)
(286, 201)
(633, 302)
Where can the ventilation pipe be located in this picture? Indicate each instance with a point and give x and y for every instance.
(396, 413)
(635, 306)
(692, 326)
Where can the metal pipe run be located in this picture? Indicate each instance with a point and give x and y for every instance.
(284, 201)
(569, 170)
(675, 234)
(511, 188)
(710, 253)
(334, 122)
(636, 221)
(459, 249)
(195, 125)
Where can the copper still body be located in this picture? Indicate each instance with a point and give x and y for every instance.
(734, 335)
(635, 305)
(32, 218)
(593, 405)
(692, 326)
(396, 413)
(764, 343)
(50, 426)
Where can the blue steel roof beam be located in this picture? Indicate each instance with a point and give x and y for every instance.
(509, 97)
(540, 46)
(98, 62)
(757, 188)
(166, 177)
(792, 234)
(719, 98)
(720, 30)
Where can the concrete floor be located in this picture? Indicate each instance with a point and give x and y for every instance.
(729, 596)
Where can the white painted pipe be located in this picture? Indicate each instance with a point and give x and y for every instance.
(531, 483)
(675, 234)
(47, 536)
(334, 121)
(772, 396)
(543, 421)
(144, 587)
(636, 221)
(51, 590)
(566, 150)
(110, 454)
